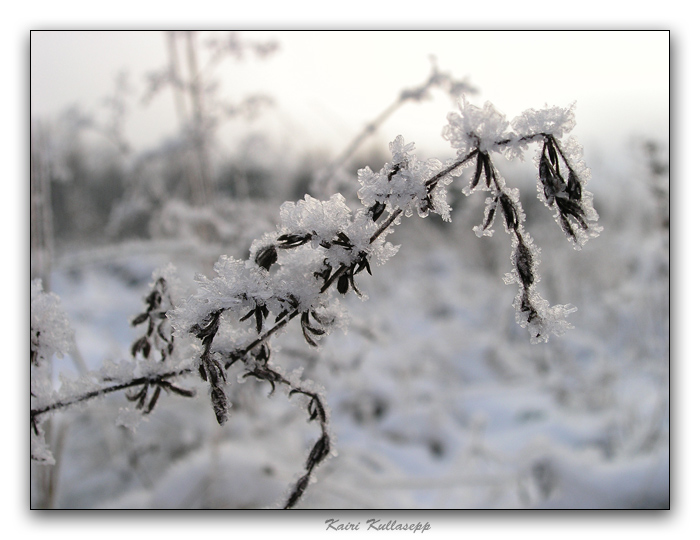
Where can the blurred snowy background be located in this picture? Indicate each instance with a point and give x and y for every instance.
(438, 399)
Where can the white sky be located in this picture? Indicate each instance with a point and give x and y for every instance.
(328, 85)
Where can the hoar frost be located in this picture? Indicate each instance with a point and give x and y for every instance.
(476, 127)
(51, 332)
(401, 184)
(555, 121)
(320, 247)
(476, 132)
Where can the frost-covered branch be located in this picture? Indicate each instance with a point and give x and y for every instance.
(320, 247)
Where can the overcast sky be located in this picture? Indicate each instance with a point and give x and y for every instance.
(328, 85)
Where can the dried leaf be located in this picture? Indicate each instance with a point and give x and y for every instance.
(154, 400)
(179, 391)
(139, 319)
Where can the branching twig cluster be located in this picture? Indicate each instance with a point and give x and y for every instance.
(322, 246)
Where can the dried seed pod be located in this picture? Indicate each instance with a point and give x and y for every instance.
(343, 284)
(488, 169)
(288, 241)
(568, 207)
(266, 257)
(546, 176)
(510, 214)
(319, 452)
(523, 264)
(479, 169)
(219, 403)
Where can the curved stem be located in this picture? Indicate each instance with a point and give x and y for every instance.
(35, 413)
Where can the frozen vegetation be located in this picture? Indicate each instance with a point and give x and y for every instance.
(260, 354)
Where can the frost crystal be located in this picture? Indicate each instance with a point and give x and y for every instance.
(555, 121)
(476, 127)
(51, 332)
(549, 321)
(401, 184)
(238, 287)
(323, 219)
(130, 418)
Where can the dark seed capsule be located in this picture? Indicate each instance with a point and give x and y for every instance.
(319, 452)
(509, 212)
(343, 284)
(523, 263)
(219, 404)
(547, 178)
(488, 169)
(293, 240)
(479, 168)
(259, 319)
(266, 257)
